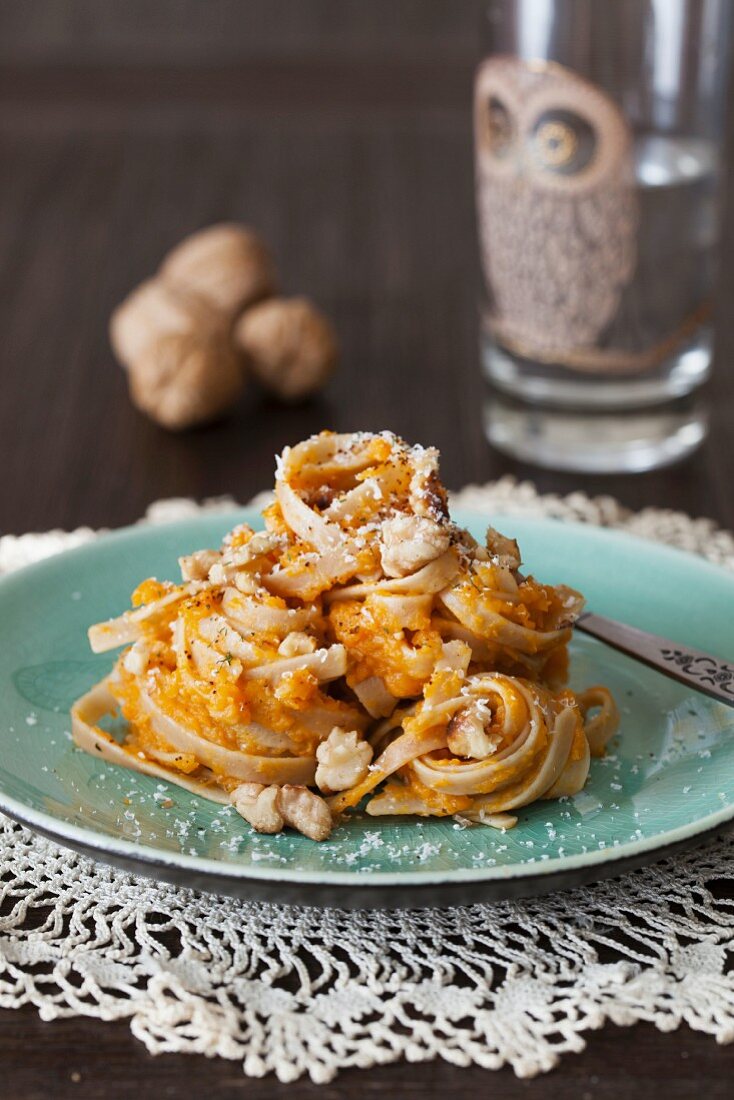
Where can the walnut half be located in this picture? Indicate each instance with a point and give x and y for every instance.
(269, 809)
(343, 760)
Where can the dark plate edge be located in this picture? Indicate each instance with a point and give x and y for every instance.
(364, 896)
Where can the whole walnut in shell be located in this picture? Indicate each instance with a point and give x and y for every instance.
(228, 266)
(185, 350)
(290, 346)
(152, 310)
(185, 378)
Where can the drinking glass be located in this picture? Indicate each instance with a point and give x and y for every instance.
(598, 132)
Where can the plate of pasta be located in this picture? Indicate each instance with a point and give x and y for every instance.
(357, 697)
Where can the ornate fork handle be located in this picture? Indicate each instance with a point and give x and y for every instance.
(693, 667)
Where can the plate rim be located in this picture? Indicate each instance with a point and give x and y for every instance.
(369, 895)
(76, 837)
(148, 858)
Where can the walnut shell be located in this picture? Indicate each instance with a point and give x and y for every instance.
(183, 379)
(290, 345)
(153, 310)
(227, 265)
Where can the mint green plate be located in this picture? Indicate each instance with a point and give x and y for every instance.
(667, 780)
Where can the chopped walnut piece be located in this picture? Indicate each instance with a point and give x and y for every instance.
(238, 536)
(305, 811)
(427, 494)
(221, 574)
(297, 644)
(268, 809)
(504, 551)
(468, 737)
(226, 569)
(260, 545)
(259, 806)
(410, 542)
(343, 760)
(455, 657)
(195, 567)
(247, 583)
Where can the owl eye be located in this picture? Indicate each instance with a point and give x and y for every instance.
(499, 127)
(563, 142)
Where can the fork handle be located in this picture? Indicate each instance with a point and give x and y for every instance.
(692, 667)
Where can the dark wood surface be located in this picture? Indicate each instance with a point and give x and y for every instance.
(346, 140)
(90, 1060)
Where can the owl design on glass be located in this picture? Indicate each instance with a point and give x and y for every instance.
(556, 203)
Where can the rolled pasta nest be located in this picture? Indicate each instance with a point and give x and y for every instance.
(360, 650)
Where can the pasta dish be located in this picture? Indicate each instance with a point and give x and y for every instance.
(361, 650)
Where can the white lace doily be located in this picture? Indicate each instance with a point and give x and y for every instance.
(294, 990)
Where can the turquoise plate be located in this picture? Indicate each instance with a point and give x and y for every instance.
(667, 780)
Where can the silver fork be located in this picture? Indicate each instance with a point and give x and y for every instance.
(692, 667)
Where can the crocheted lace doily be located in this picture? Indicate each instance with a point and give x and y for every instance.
(294, 990)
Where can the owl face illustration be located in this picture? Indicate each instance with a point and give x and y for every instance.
(556, 204)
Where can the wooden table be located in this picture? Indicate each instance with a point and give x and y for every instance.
(356, 165)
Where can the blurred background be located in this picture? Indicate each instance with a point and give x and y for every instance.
(339, 129)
